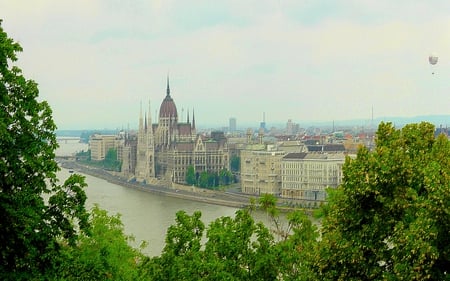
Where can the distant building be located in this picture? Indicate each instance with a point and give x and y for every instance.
(292, 128)
(306, 176)
(232, 125)
(327, 147)
(101, 144)
(262, 125)
(288, 169)
(290, 146)
(261, 171)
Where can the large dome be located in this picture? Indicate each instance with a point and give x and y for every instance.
(168, 107)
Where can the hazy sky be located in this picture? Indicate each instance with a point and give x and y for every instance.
(96, 61)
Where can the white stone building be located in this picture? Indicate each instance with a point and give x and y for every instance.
(306, 176)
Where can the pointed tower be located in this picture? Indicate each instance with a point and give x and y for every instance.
(141, 150)
(149, 119)
(150, 151)
(193, 130)
(145, 123)
(168, 120)
(141, 121)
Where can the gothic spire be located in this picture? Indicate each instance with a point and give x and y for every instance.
(149, 118)
(193, 119)
(145, 122)
(187, 116)
(141, 125)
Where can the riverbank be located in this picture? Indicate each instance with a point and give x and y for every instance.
(223, 198)
(216, 197)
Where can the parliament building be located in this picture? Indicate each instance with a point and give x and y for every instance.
(166, 149)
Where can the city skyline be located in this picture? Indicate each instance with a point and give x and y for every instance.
(95, 62)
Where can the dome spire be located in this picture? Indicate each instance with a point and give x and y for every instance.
(168, 88)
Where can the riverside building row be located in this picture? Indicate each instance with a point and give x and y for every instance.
(291, 169)
(160, 153)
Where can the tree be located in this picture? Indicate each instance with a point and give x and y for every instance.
(31, 227)
(236, 248)
(103, 254)
(240, 249)
(83, 155)
(389, 220)
(213, 180)
(235, 163)
(110, 162)
(190, 176)
(225, 177)
(203, 179)
(181, 257)
(296, 238)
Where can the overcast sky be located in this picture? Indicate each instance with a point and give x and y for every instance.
(96, 61)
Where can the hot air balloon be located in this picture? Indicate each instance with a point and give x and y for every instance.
(433, 59)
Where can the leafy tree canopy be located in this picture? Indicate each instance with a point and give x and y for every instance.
(390, 220)
(103, 254)
(190, 175)
(236, 248)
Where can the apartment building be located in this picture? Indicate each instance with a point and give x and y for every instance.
(261, 171)
(101, 144)
(306, 176)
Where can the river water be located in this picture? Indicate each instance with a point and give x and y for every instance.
(145, 215)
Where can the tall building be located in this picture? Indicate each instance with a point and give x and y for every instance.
(232, 125)
(291, 128)
(166, 149)
(262, 125)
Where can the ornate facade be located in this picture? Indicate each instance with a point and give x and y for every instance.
(165, 150)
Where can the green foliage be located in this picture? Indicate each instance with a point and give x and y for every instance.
(296, 240)
(103, 254)
(84, 155)
(110, 162)
(31, 227)
(235, 163)
(181, 257)
(203, 179)
(212, 180)
(389, 220)
(190, 176)
(239, 249)
(235, 249)
(225, 177)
